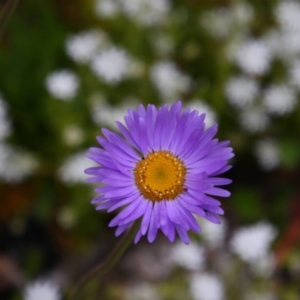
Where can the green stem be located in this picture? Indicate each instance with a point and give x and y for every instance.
(109, 262)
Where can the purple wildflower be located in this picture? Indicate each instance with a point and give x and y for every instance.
(163, 170)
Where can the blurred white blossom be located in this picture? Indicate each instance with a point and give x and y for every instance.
(295, 74)
(83, 46)
(189, 256)
(288, 15)
(264, 265)
(146, 12)
(44, 290)
(141, 291)
(62, 84)
(243, 13)
(169, 81)
(107, 8)
(279, 99)
(213, 234)
(206, 287)
(273, 40)
(254, 119)
(5, 126)
(267, 153)
(16, 164)
(72, 169)
(111, 65)
(253, 57)
(241, 91)
(253, 242)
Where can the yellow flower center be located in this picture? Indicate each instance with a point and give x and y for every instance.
(160, 176)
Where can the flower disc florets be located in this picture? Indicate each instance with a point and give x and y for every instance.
(163, 170)
(160, 176)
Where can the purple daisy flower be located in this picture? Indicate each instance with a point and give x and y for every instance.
(163, 170)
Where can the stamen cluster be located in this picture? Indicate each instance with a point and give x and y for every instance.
(160, 176)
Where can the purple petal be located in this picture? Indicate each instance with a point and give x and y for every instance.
(152, 232)
(217, 192)
(183, 234)
(146, 219)
(138, 236)
(121, 229)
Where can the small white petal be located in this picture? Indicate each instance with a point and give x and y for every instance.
(111, 65)
(189, 256)
(206, 287)
(62, 84)
(41, 290)
(253, 242)
(279, 99)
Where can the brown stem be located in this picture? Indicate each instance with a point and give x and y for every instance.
(109, 262)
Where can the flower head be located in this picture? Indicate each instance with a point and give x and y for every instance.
(41, 290)
(190, 257)
(62, 85)
(110, 65)
(206, 287)
(163, 170)
(280, 99)
(253, 57)
(253, 242)
(83, 46)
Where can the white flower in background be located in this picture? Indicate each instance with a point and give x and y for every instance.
(295, 74)
(146, 12)
(105, 114)
(169, 81)
(5, 126)
(288, 15)
(203, 107)
(291, 44)
(16, 164)
(264, 266)
(111, 65)
(141, 291)
(189, 256)
(107, 8)
(241, 91)
(62, 84)
(253, 57)
(41, 290)
(283, 44)
(243, 13)
(72, 169)
(254, 119)
(213, 234)
(217, 22)
(274, 41)
(267, 153)
(72, 135)
(253, 242)
(206, 287)
(279, 99)
(83, 46)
